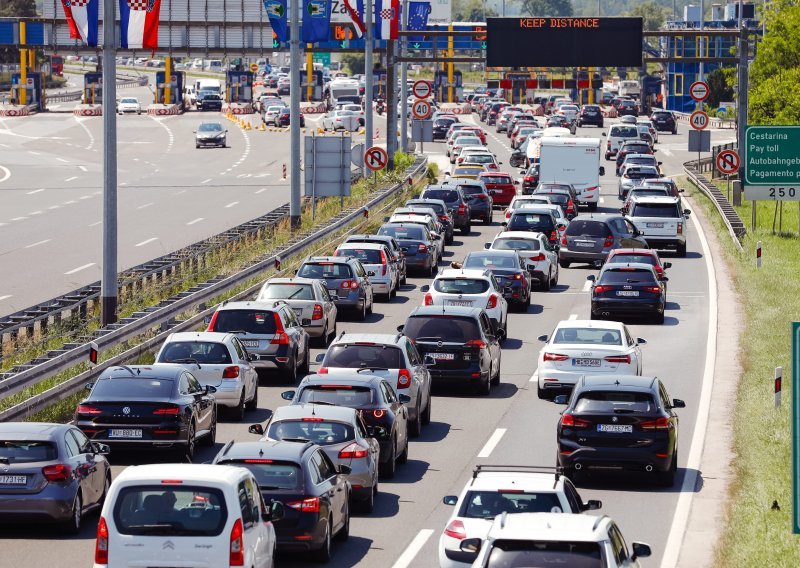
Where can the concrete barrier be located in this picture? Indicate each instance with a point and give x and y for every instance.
(609, 112)
(88, 110)
(313, 107)
(163, 110)
(533, 110)
(456, 108)
(15, 110)
(238, 108)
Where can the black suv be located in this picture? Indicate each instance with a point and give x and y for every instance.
(619, 421)
(456, 202)
(664, 121)
(530, 181)
(590, 114)
(534, 220)
(441, 125)
(209, 101)
(462, 341)
(441, 210)
(626, 107)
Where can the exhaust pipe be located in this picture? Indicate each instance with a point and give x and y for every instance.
(579, 466)
(648, 468)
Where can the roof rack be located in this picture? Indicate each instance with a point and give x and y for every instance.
(558, 471)
(226, 447)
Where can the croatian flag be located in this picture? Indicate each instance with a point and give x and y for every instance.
(387, 19)
(356, 15)
(138, 22)
(82, 19)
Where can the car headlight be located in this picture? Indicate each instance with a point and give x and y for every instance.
(220, 135)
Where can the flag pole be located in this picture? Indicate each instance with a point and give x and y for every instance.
(403, 79)
(368, 82)
(108, 283)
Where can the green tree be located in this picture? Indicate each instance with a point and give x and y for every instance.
(354, 62)
(472, 11)
(653, 15)
(553, 8)
(17, 8)
(720, 86)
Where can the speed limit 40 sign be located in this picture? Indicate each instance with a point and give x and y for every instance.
(698, 120)
(421, 109)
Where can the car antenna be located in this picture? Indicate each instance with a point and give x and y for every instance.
(260, 452)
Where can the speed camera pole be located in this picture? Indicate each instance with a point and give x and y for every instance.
(368, 70)
(108, 284)
(294, 113)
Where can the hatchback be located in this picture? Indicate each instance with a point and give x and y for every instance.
(589, 238)
(346, 280)
(416, 244)
(476, 288)
(536, 220)
(398, 258)
(633, 175)
(590, 114)
(440, 207)
(210, 134)
(478, 196)
(664, 121)
(375, 258)
(456, 203)
(311, 302)
(510, 271)
(539, 254)
(501, 187)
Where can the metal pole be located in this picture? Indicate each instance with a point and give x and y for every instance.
(450, 75)
(700, 43)
(741, 107)
(368, 87)
(294, 112)
(404, 81)
(108, 284)
(22, 88)
(391, 102)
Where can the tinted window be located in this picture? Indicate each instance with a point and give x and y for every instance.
(316, 430)
(356, 355)
(435, 206)
(640, 173)
(611, 401)
(181, 510)
(250, 321)
(624, 132)
(489, 261)
(446, 195)
(557, 198)
(526, 553)
(470, 189)
(630, 276)
(403, 232)
(478, 158)
(366, 256)
(26, 451)
(589, 336)
(516, 244)
(579, 228)
(209, 352)
(132, 388)
(325, 270)
(445, 327)
(488, 504)
(648, 192)
(496, 179)
(270, 476)
(342, 395)
(530, 222)
(468, 141)
(461, 285)
(287, 292)
(670, 210)
(640, 258)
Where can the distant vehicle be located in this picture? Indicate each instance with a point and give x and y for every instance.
(129, 105)
(629, 89)
(57, 65)
(209, 100)
(213, 65)
(210, 134)
(575, 161)
(341, 87)
(208, 85)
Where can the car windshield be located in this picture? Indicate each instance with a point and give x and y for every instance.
(614, 401)
(132, 388)
(204, 352)
(134, 101)
(478, 158)
(363, 354)
(624, 132)
(403, 232)
(638, 258)
(170, 510)
(446, 195)
(258, 322)
(446, 327)
(470, 189)
(510, 243)
(366, 256)
(539, 222)
(489, 261)
(314, 429)
(588, 335)
(461, 285)
(497, 179)
(27, 451)
(468, 141)
(210, 127)
(287, 292)
(326, 270)
(528, 553)
(627, 276)
(557, 198)
(489, 504)
(666, 210)
(340, 395)
(581, 228)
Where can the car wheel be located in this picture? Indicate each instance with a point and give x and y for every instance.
(322, 340)
(403, 457)
(415, 427)
(188, 451)
(106, 487)
(466, 230)
(197, 145)
(388, 468)
(608, 157)
(432, 270)
(593, 207)
(485, 386)
(488, 220)
(303, 370)
(292, 370)
(367, 505)
(667, 478)
(564, 263)
(659, 318)
(403, 280)
(344, 532)
(323, 553)
(252, 404)
(495, 380)
(548, 281)
(426, 414)
(73, 525)
(237, 413)
(542, 393)
(211, 438)
(682, 250)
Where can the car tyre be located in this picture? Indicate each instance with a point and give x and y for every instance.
(367, 505)
(292, 369)
(237, 412)
(659, 318)
(682, 250)
(322, 340)
(389, 467)
(564, 263)
(188, 451)
(495, 380)
(415, 427)
(252, 404)
(592, 206)
(323, 553)
(211, 438)
(542, 393)
(547, 284)
(466, 229)
(667, 478)
(73, 524)
(403, 457)
(484, 388)
(488, 220)
(344, 532)
(426, 414)
(303, 370)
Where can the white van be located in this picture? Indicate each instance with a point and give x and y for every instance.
(575, 161)
(214, 65)
(186, 515)
(617, 134)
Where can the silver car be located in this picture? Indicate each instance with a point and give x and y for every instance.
(210, 134)
(311, 302)
(376, 259)
(341, 433)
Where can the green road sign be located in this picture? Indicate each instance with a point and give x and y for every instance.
(796, 427)
(772, 163)
(324, 58)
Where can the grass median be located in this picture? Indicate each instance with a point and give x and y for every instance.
(759, 510)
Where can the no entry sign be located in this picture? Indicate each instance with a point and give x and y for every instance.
(728, 161)
(376, 158)
(421, 89)
(699, 91)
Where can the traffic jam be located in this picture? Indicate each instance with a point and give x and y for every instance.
(355, 401)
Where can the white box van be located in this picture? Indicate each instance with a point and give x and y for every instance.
(575, 161)
(187, 515)
(617, 134)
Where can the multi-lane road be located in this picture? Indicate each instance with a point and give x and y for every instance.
(512, 426)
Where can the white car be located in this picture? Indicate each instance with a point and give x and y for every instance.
(463, 141)
(478, 156)
(541, 257)
(503, 489)
(471, 288)
(340, 120)
(521, 200)
(311, 302)
(582, 347)
(272, 113)
(651, 127)
(375, 258)
(570, 111)
(129, 105)
(187, 515)
(218, 360)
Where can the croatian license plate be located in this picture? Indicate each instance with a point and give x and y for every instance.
(13, 479)
(127, 433)
(629, 293)
(615, 428)
(586, 362)
(459, 303)
(655, 225)
(250, 343)
(443, 356)
(583, 244)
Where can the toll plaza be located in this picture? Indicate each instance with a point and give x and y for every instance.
(173, 95)
(32, 85)
(239, 87)
(92, 88)
(441, 86)
(312, 83)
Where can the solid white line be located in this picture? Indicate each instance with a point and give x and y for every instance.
(572, 317)
(141, 244)
(85, 197)
(37, 244)
(666, 152)
(6, 297)
(74, 270)
(62, 160)
(231, 204)
(35, 191)
(145, 205)
(6, 173)
(684, 506)
(33, 153)
(413, 549)
(83, 168)
(32, 213)
(587, 285)
(71, 178)
(19, 218)
(602, 200)
(491, 443)
(534, 377)
(206, 180)
(195, 221)
(54, 207)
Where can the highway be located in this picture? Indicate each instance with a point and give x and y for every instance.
(511, 426)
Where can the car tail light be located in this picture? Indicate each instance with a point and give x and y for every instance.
(462, 209)
(171, 410)
(570, 420)
(483, 196)
(349, 284)
(422, 249)
(528, 179)
(653, 289)
(657, 424)
(609, 242)
(57, 472)
(231, 372)
(322, 371)
(213, 322)
(86, 409)
(659, 271)
(553, 236)
(570, 207)
(101, 544)
(564, 240)
(618, 359)
(456, 530)
(310, 505)
(353, 451)
(599, 289)
(428, 300)
(317, 314)
(508, 213)
(492, 303)
(281, 337)
(609, 145)
(444, 218)
(517, 277)
(378, 413)
(538, 257)
(403, 379)
(237, 544)
(479, 343)
(554, 357)
(680, 228)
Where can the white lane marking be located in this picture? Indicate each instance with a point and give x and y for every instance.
(413, 549)
(6, 173)
(148, 241)
(94, 224)
(491, 443)
(88, 132)
(6, 297)
(82, 197)
(32, 153)
(161, 123)
(37, 244)
(74, 270)
(83, 168)
(572, 317)
(681, 517)
(263, 189)
(32, 213)
(666, 152)
(534, 377)
(587, 285)
(181, 191)
(231, 204)
(71, 178)
(602, 200)
(19, 218)
(35, 191)
(70, 202)
(54, 207)
(206, 180)
(144, 206)
(195, 221)
(62, 160)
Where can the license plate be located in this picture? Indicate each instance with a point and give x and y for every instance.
(443, 356)
(586, 362)
(125, 433)
(459, 303)
(250, 343)
(627, 293)
(13, 479)
(583, 244)
(655, 225)
(615, 428)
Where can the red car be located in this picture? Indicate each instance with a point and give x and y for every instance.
(500, 186)
(644, 256)
(477, 131)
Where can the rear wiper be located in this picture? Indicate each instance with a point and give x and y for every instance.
(270, 487)
(322, 403)
(372, 369)
(187, 360)
(236, 331)
(427, 339)
(623, 411)
(295, 293)
(163, 528)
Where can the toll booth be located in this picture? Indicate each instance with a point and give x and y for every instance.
(317, 85)
(516, 87)
(33, 88)
(92, 88)
(379, 84)
(239, 87)
(177, 83)
(440, 86)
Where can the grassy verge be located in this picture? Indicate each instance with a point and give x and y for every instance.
(756, 534)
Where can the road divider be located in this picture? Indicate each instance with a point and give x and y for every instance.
(238, 108)
(88, 110)
(15, 110)
(164, 110)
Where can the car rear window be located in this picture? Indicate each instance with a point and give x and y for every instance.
(650, 191)
(470, 189)
(461, 285)
(556, 198)
(478, 158)
(523, 553)
(624, 132)
(496, 179)
(326, 270)
(642, 160)
(668, 210)
(271, 474)
(438, 207)
(446, 195)
(403, 232)
(133, 388)
(581, 228)
(366, 256)
(627, 276)
(249, 321)
(314, 429)
(341, 395)
(588, 336)
(488, 504)
(27, 451)
(355, 355)
(640, 258)
(516, 244)
(173, 511)
(287, 292)
(489, 261)
(617, 400)
(468, 141)
(530, 221)
(445, 327)
(208, 352)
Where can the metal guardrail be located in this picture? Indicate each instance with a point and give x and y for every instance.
(76, 95)
(163, 315)
(733, 222)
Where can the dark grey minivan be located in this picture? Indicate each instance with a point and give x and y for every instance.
(589, 238)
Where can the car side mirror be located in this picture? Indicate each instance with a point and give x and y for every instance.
(472, 545)
(429, 361)
(561, 399)
(592, 505)
(287, 395)
(603, 134)
(102, 449)
(344, 469)
(404, 398)
(681, 191)
(274, 513)
(210, 390)
(386, 219)
(436, 236)
(678, 403)
(252, 357)
(450, 500)
(88, 386)
(640, 550)
(602, 170)
(516, 182)
(687, 211)
(487, 245)
(256, 429)
(400, 328)
(500, 333)
(641, 341)
(207, 320)
(666, 265)
(505, 223)
(424, 288)
(320, 357)
(659, 163)
(591, 278)
(543, 338)
(370, 273)
(523, 172)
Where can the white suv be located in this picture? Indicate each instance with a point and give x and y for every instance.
(537, 539)
(661, 221)
(471, 288)
(188, 515)
(503, 489)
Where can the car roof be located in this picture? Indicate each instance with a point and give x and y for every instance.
(27, 430)
(549, 527)
(328, 412)
(529, 235)
(641, 251)
(287, 280)
(379, 338)
(591, 324)
(338, 259)
(365, 246)
(463, 272)
(267, 449)
(493, 252)
(619, 266)
(601, 217)
(524, 480)
(188, 473)
(637, 155)
(154, 371)
(604, 381)
(658, 199)
(248, 305)
(354, 379)
(446, 310)
(198, 336)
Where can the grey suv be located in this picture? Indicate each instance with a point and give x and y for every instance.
(589, 238)
(346, 280)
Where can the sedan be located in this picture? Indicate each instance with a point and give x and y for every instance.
(634, 175)
(284, 118)
(210, 134)
(630, 289)
(129, 105)
(500, 185)
(311, 302)
(340, 120)
(579, 347)
(509, 268)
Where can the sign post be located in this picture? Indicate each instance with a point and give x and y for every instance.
(772, 163)
(375, 159)
(728, 163)
(796, 427)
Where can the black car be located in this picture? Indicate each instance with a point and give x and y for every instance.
(416, 245)
(628, 290)
(561, 121)
(626, 107)
(383, 410)
(494, 112)
(441, 211)
(562, 198)
(530, 179)
(456, 202)
(664, 121)
(314, 492)
(161, 406)
(534, 220)
(284, 118)
(441, 125)
(632, 147)
(519, 155)
(509, 270)
(209, 101)
(462, 341)
(619, 422)
(481, 204)
(590, 114)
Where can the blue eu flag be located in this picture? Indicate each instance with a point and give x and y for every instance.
(418, 13)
